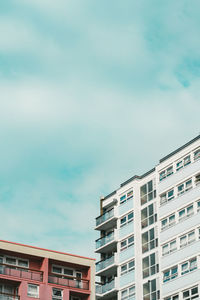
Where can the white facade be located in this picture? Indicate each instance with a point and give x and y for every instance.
(149, 242)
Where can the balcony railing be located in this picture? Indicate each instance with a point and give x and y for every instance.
(73, 282)
(21, 272)
(106, 216)
(105, 263)
(105, 240)
(101, 289)
(5, 296)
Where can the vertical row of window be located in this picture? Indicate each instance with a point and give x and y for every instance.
(148, 215)
(147, 192)
(150, 265)
(149, 240)
(150, 290)
(181, 163)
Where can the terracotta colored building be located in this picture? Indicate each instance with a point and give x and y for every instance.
(28, 272)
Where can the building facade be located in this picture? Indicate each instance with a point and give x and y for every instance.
(28, 272)
(149, 228)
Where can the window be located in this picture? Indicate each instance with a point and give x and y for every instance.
(186, 212)
(128, 267)
(17, 261)
(165, 173)
(63, 270)
(165, 197)
(169, 247)
(148, 216)
(57, 294)
(184, 187)
(168, 222)
(189, 266)
(174, 297)
(197, 179)
(187, 239)
(128, 293)
(197, 154)
(150, 291)
(126, 219)
(149, 265)
(183, 162)
(170, 274)
(126, 197)
(149, 241)
(198, 206)
(147, 193)
(33, 290)
(127, 243)
(191, 293)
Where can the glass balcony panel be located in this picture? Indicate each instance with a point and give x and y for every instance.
(108, 215)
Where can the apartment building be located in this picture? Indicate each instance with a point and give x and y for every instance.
(28, 272)
(149, 243)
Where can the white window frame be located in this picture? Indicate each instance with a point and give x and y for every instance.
(190, 297)
(169, 223)
(186, 214)
(17, 259)
(127, 243)
(183, 162)
(171, 275)
(129, 294)
(54, 297)
(62, 270)
(127, 266)
(188, 268)
(166, 172)
(187, 239)
(127, 196)
(185, 187)
(165, 197)
(170, 249)
(33, 295)
(127, 220)
(197, 154)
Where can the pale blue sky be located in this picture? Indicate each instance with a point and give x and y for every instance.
(91, 93)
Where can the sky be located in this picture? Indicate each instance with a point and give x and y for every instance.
(91, 93)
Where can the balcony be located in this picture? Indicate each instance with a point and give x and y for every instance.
(72, 282)
(107, 220)
(19, 272)
(179, 176)
(107, 266)
(108, 288)
(106, 243)
(5, 296)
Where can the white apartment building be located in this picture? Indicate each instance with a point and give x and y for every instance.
(149, 228)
